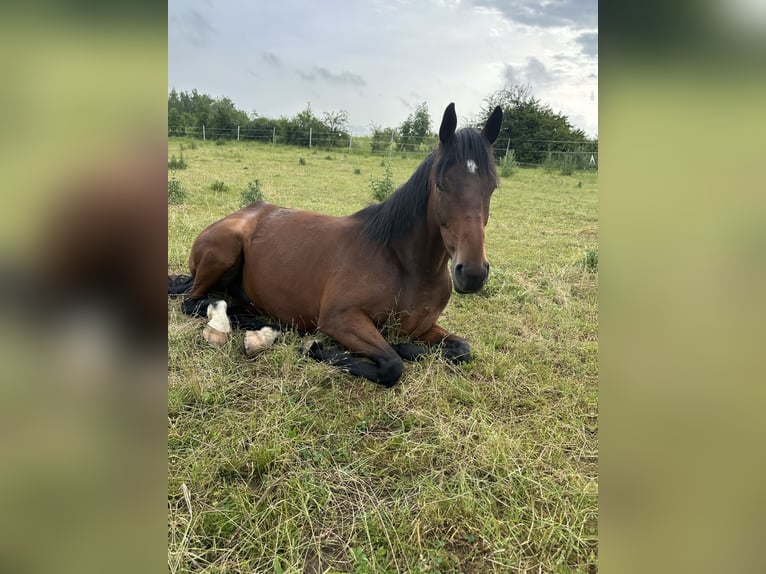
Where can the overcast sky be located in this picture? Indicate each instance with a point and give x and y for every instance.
(379, 59)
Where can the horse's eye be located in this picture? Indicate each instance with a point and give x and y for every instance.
(439, 187)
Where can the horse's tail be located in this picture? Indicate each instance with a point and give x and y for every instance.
(178, 284)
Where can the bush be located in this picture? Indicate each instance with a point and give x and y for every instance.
(174, 163)
(252, 193)
(591, 260)
(383, 187)
(218, 186)
(508, 165)
(301, 161)
(566, 162)
(176, 192)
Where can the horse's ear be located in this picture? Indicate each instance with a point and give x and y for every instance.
(449, 123)
(492, 127)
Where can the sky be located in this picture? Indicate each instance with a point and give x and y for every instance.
(380, 59)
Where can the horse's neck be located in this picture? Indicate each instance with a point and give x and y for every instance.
(424, 251)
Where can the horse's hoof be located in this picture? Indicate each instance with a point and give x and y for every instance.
(217, 330)
(214, 336)
(256, 341)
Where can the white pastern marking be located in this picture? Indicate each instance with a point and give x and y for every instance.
(219, 320)
(471, 165)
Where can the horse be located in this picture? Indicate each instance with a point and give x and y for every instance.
(347, 276)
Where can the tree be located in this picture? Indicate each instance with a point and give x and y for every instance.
(176, 125)
(415, 129)
(224, 118)
(200, 105)
(534, 129)
(381, 138)
(336, 122)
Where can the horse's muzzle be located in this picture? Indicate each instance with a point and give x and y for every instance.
(468, 279)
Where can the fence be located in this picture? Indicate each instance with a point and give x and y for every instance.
(580, 155)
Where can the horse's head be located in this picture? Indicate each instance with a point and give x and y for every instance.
(463, 180)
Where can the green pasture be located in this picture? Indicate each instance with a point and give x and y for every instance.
(281, 464)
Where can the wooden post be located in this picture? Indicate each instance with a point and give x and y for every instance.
(310, 131)
(274, 135)
(203, 132)
(237, 133)
(350, 140)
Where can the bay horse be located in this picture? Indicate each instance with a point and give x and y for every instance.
(347, 276)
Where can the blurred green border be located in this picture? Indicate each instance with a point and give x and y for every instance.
(682, 265)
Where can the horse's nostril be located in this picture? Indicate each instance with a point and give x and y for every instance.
(459, 269)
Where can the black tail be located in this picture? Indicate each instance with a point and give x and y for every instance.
(178, 284)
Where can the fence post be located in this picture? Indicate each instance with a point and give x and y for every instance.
(310, 131)
(274, 135)
(508, 147)
(350, 139)
(237, 133)
(203, 132)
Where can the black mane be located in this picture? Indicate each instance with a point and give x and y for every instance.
(390, 221)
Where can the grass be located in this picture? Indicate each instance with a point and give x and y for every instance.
(282, 464)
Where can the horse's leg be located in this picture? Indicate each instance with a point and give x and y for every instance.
(216, 266)
(453, 348)
(368, 356)
(410, 351)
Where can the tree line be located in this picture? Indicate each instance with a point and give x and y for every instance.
(530, 128)
(189, 111)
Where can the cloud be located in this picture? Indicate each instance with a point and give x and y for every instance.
(343, 78)
(405, 103)
(306, 76)
(589, 43)
(196, 28)
(271, 59)
(537, 73)
(511, 76)
(546, 14)
(533, 73)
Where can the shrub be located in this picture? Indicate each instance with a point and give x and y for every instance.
(218, 186)
(174, 163)
(176, 192)
(508, 165)
(220, 141)
(566, 163)
(301, 161)
(383, 187)
(357, 171)
(253, 193)
(591, 260)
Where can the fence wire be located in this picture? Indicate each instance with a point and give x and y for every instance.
(580, 154)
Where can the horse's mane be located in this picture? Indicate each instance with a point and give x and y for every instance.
(390, 221)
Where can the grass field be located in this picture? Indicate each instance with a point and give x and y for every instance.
(282, 464)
